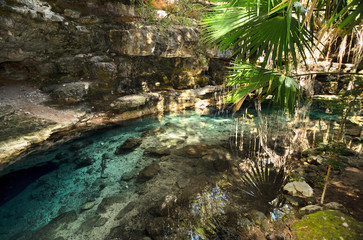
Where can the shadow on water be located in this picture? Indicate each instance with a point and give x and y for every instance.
(91, 170)
(223, 210)
(262, 184)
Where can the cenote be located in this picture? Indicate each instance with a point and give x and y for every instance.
(166, 177)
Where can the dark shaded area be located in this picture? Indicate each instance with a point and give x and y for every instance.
(14, 183)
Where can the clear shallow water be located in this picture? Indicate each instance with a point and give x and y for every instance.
(88, 170)
(67, 185)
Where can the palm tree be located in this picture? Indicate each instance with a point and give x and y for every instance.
(269, 39)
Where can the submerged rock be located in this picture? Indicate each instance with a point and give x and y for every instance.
(107, 202)
(327, 224)
(129, 175)
(300, 189)
(157, 227)
(220, 159)
(92, 222)
(49, 231)
(128, 146)
(23, 235)
(148, 172)
(87, 206)
(83, 162)
(157, 151)
(128, 208)
(192, 151)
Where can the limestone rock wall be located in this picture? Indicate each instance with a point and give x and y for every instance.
(102, 45)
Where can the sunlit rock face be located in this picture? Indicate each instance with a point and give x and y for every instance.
(149, 40)
(97, 56)
(102, 43)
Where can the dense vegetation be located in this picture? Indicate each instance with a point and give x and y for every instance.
(270, 39)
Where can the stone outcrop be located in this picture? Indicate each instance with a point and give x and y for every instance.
(150, 41)
(105, 58)
(104, 44)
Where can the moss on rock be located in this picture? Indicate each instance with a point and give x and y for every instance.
(328, 224)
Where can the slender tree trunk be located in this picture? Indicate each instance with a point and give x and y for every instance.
(325, 185)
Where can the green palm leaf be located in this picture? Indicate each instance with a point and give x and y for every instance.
(352, 14)
(249, 79)
(269, 30)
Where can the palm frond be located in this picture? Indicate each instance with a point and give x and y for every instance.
(351, 15)
(271, 31)
(249, 79)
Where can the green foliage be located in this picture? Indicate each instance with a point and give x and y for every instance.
(185, 13)
(327, 224)
(350, 15)
(271, 32)
(249, 78)
(260, 29)
(273, 35)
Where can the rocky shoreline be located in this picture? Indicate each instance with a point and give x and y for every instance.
(59, 129)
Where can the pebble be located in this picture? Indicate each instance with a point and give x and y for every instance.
(88, 205)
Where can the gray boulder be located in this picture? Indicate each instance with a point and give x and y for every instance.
(129, 102)
(299, 189)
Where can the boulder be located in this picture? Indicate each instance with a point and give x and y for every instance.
(295, 201)
(104, 75)
(71, 13)
(299, 189)
(129, 102)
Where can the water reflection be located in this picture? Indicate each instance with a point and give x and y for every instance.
(91, 170)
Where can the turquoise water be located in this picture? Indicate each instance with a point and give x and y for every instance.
(88, 173)
(78, 177)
